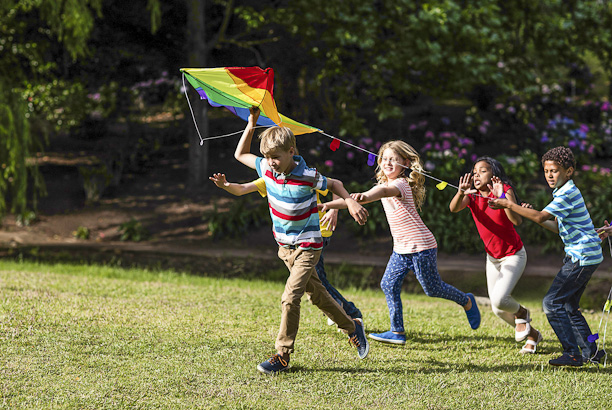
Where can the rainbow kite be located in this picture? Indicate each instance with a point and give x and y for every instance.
(240, 88)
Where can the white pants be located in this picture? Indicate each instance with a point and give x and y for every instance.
(502, 276)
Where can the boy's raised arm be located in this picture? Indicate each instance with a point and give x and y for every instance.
(243, 150)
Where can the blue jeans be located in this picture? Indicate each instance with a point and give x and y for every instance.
(561, 306)
(424, 264)
(349, 307)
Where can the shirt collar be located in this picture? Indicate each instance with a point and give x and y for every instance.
(568, 186)
(299, 169)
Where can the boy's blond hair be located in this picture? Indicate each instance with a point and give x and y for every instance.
(276, 138)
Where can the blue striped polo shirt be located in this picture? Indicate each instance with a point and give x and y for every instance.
(575, 225)
(293, 203)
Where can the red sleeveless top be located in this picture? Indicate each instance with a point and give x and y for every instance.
(495, 229)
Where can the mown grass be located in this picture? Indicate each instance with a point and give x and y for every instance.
(95, 337)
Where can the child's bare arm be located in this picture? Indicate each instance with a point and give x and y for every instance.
(515, 218)
(376, 193)
(234, 189)
(243, 149)
(358, 212)
(542, 218)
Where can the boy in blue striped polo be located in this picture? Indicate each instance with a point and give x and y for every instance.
(568, 216)
(291, 189)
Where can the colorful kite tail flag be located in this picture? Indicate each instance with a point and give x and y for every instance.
(334, 145)
(240, 88)
(442, 185)
(371, 159)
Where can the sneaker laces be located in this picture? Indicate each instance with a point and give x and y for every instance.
(276, 358)
(354, 341)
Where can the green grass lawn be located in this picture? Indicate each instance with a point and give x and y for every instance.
(95, 337)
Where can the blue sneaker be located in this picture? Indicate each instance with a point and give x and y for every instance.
(473, 314)
(359, 340)
(389, 337)
(273, 365)
(566, 360)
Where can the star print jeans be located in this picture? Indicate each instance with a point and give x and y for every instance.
(425, 267)
(561, 306)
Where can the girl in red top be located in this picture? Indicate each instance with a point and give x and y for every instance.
(506, 256)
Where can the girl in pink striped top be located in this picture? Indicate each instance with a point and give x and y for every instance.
(414, 246)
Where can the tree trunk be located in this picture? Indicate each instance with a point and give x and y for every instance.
(198, 154)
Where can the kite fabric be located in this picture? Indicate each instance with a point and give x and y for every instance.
(240, 88)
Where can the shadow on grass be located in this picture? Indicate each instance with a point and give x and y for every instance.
(439, 367)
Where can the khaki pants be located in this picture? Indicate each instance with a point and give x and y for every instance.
(302, 279)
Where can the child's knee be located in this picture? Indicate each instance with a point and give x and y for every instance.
(432, 291)
(500, 303)
(292, 299)
(549, 306)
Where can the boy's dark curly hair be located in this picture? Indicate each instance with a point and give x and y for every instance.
(561, 155)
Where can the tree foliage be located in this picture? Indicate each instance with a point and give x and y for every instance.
(40, 40)
(336, 63)
(382, 54)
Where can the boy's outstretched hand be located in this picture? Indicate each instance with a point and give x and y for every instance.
(499, 203)
(605, 231)
(219, 180)
(358, 212)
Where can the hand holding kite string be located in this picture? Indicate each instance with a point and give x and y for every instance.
(253, 116)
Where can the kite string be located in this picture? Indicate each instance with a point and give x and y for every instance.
(191, 110)
(605, 313)
(417, 171)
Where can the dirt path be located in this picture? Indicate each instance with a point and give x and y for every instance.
(173, 216)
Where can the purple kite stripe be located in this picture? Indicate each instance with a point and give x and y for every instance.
(202, 93)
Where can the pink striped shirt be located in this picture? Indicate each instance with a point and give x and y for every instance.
(409, 233)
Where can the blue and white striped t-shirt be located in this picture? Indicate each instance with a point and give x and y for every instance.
(575, 225)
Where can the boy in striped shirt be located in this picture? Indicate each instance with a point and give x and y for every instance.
(568, 216)
(291, 189)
